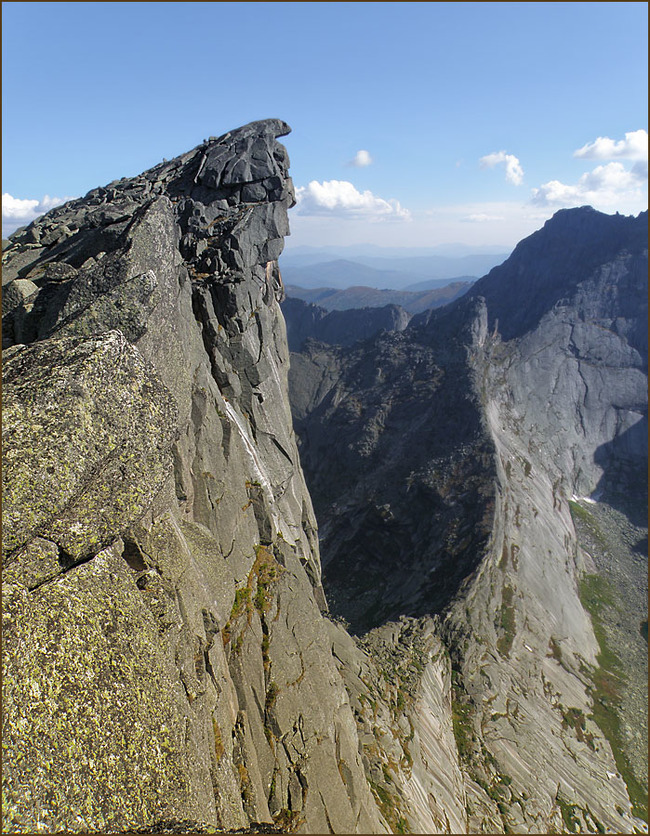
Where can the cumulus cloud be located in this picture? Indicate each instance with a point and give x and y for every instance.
(514, 171)
(361, 159)
(633, 147)
(341, 198)
(17, 212)
(606, 185)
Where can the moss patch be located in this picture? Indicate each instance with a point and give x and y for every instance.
(507, 622)
(571, 821)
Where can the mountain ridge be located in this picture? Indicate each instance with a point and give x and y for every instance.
(560, 411)
(370, 297)
(384, 272)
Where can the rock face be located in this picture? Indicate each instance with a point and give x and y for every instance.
(166, 658)
(390, 551)
(305, 321)
(169, 661)
(442, 461)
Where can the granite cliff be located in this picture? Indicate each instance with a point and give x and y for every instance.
(307, 321)
(170, 664)
(166, 659)
(444, 462)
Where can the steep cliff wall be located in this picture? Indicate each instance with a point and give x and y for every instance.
(165, 654)
(566, 406)
(306, 321)
(448, 491)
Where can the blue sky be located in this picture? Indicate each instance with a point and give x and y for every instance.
(477, 120)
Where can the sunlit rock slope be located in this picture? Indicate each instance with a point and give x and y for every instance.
(166, 659)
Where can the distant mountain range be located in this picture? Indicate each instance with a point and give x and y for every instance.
(413, 301)
(398, 272)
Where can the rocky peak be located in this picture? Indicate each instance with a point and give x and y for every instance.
(160, 544)
(214, 191)
(546, 268)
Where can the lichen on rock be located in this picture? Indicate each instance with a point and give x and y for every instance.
(87, 435)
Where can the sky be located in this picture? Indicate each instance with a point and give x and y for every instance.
(413, 124)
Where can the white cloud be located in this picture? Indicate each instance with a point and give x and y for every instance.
(18, 211)
(361, 159)
(607, 185)
(633, 147)
(341, 198)
(14, 207)
(514, 171)
(481, 217)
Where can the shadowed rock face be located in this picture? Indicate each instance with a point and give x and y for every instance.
(305, 321)
(401, 470)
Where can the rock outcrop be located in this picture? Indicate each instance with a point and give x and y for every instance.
(166, 657)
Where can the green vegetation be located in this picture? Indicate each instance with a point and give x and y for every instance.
(242, 597)
(580, 513)
(582, 517)
(575, 719)
(244, 783)
(507, 622)
(567, 810)
(555, 651)
(240, 605)
(256, 596)
(271, 695)
(461, 714)
(608, 680)
(266, 570)
(390, 808)
(503, 562)
(287, 820)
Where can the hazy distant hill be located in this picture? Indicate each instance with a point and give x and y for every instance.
(396, 272)
(434, 284)
(437, 266)
(341, 299)
(342, 273)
